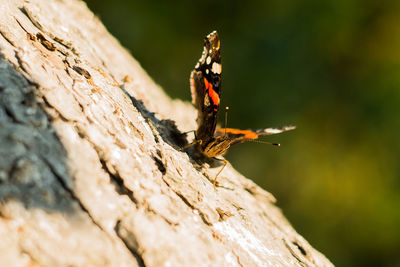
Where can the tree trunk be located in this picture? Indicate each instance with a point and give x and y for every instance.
(89, 170)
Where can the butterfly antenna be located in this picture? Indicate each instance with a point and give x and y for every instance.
(263, 142)
(226, 118)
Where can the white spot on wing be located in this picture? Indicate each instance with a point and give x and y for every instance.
(208, 60)
(272, 131)
(278, 130)
(203, 55)
(216, 68)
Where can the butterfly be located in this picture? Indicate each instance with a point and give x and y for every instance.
(205, 85)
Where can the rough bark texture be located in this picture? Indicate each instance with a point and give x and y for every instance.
(89, 171)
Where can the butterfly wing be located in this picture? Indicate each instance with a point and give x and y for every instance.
(269, 131)
(239, 136)
(205, 84)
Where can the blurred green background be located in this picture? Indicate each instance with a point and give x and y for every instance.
(331, 67)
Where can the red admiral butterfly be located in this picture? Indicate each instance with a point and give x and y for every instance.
(205, 84)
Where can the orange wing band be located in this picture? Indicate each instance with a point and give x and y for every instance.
(247, 133)
(211, 92)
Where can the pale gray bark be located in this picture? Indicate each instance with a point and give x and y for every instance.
(89, 170)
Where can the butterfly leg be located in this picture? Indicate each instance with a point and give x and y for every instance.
(225, 162)
(191, 144)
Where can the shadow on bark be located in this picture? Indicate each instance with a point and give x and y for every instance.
(33, 161)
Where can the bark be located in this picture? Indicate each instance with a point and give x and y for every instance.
(89, 170)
